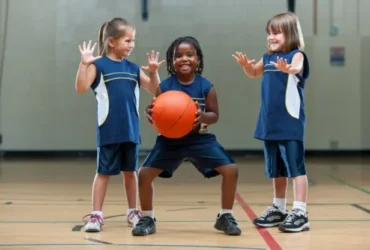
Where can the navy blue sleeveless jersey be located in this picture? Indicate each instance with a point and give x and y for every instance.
(198, 91)
(282, 113)
(116, 89)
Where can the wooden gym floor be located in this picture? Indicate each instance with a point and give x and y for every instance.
(42, 203)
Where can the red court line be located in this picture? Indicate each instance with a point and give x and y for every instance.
(265, 234)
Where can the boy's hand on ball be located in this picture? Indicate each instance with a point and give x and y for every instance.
(148, 112)
(198, 119)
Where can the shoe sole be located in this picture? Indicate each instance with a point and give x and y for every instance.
(230, 234)
(267, 225)
(92, 230)
(143, 234)
(305, 227)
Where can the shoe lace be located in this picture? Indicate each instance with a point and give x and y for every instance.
(135, 212)
(270, 210)
(93, 218)
(143, 220)
(231, 219)
(292, 215)
(139, 214)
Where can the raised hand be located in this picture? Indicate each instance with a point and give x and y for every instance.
(243, 60)
(87, 53)
(153, 63)
(281, 64)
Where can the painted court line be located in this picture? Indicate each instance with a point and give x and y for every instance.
(172, 221)
(98, 241)
(132, 245)
(265, 234)
(349, 184)
(361, 208)
(200, 206)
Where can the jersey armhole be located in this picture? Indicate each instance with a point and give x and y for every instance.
(306, 69)
(97, 78)
(162, 86)
(208, 87)
(138, 75)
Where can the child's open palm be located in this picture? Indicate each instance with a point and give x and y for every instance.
(87, 53)
(282, 64)
(242, 59)
(153, 63)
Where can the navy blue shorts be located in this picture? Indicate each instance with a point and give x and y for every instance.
(284, 159)
(114, 158)
(205, 158)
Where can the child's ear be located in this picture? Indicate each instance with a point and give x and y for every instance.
(110, 41)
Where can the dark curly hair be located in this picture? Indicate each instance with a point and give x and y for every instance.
(172, 50)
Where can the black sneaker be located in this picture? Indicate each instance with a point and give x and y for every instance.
(145, 226)
(272, 217)
(227, 224)
(296, 221)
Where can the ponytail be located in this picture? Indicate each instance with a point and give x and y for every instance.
(101, 42)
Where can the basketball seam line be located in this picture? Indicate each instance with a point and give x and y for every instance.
(181, 115)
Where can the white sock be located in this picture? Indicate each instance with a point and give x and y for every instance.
(226, 211)
(130, 210)
(148, 213)
(300, 205)
(100, 213)
(280, 203)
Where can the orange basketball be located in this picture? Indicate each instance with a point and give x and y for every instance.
(173, 114)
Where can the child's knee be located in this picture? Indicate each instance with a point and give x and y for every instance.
(229, 171)
(129, 174)
(102, 177)
(147, 174)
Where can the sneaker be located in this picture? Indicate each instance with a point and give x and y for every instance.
(272, 217)
(227, 224)
(296, 221)
(145, 226)
(133, 217)
(94, 223)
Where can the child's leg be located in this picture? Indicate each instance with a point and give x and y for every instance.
(130, 183)
(159, 162)
(212, 161)
(229, 175)
(275, 169)
(146, 224)
(293, 155)
(99, 191)
(146, 189)
(280, 192)
(129, 166)
(108, 164)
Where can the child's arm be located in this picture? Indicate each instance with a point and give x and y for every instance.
(296, 67)
(210, 115)
(86, 73)
(250, 69)
(151, 83)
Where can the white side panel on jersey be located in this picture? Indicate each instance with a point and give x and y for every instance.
(137, 96)
(292, 99)
(103, 101)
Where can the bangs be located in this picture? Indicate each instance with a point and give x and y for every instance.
(275, 26)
